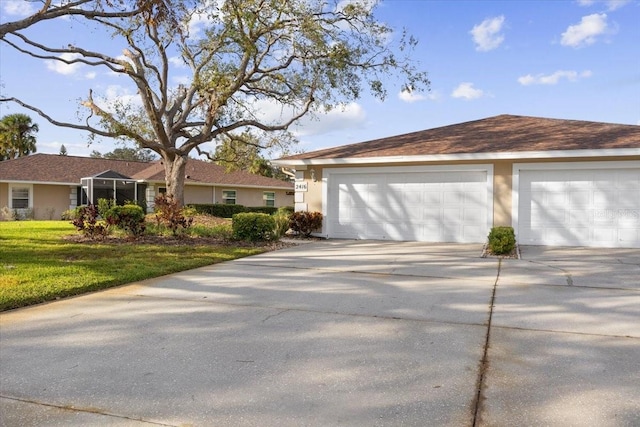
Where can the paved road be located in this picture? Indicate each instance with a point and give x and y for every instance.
(340, 333)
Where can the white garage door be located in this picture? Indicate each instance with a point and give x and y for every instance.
(430, 205)
(576, 205)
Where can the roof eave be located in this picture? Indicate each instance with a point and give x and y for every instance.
(26, 181)
(512, 155)
(225, 184)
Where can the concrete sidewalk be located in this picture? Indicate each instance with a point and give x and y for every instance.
(334, 333)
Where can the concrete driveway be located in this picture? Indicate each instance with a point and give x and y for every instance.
(340, 333)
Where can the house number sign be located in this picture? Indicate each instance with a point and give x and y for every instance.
(302, 186)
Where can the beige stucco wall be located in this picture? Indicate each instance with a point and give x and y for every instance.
(244, 196)
(502, 186)
(4, 194)
(502, 181)
(49, 201)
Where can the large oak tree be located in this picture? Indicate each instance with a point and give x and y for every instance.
(296, 57)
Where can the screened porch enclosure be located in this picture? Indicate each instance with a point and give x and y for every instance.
(111, 185)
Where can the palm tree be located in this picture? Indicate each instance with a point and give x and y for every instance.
(17, 136)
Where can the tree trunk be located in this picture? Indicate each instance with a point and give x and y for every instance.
(174, 170)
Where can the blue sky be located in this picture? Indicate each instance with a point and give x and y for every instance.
(560, 59)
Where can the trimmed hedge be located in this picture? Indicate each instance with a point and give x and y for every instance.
(253, 226)
(129, 218)
(502, 240)
(228, 211)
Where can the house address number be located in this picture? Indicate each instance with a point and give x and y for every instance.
(302, 186)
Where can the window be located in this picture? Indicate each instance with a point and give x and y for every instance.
(162, 190)
(269, 198)
(20, 197)
(229, 197)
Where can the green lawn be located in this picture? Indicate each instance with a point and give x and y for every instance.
(37, 264)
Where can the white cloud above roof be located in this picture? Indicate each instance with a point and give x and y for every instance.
(466, 91)
(586, 32)
(554, 78)
(343, 117)
(487, 35)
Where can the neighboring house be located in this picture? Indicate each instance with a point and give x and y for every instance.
(557, 182)
(47, 184)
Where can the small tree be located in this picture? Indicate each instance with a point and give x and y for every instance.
(63, 150)
(17, 136)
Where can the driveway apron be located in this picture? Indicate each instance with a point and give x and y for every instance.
(329, 333)
(565, 340)
(352, 333)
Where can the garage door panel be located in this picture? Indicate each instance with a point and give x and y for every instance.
(424, 206)
(579, 198)
(579, 207)
(474, 216)
(432, 215)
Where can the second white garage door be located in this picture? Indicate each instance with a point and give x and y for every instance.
(578, 204)
(415, 203)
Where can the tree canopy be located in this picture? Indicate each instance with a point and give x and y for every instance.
(245, 154)
(256, 68)
(126, 153)
(17, 136)
(152, 10)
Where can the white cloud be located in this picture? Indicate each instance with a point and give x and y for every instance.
(586, 31)
(18, 8)
(64, 68)
(552, 79)
(486, 35)
(467, 91)
(410, 97)
(90, 75)
(617, 4)
(611, 4)
(177, 62)
(118, 95)
(348, 116)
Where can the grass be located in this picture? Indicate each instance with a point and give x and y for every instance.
(38, 265)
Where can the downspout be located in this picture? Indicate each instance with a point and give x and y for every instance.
(288, 173)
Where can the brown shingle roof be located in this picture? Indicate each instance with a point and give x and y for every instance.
(504, 133)
(70, 169)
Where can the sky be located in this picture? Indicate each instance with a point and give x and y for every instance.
(571, 59)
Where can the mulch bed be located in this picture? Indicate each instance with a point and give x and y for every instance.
(514, 254)
(181, 239)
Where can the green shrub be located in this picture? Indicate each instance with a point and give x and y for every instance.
(281, 219)
(219, 231)
(104, 205)
(305, 223)
(129, 218)
(269, 210)
(219, 210)
(288, 210)
(502, 240)
(253, 226)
